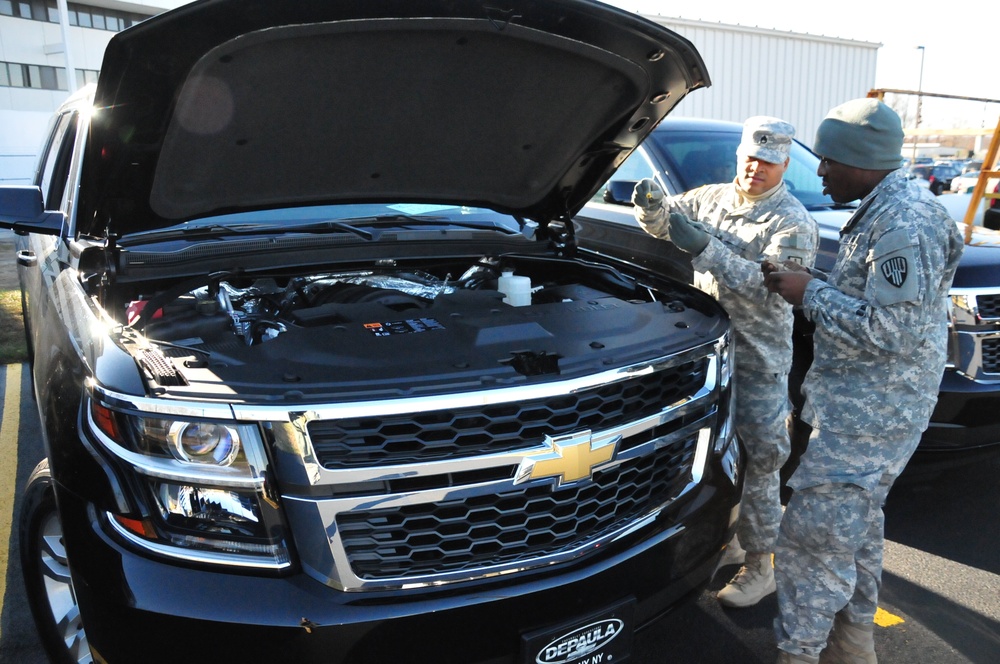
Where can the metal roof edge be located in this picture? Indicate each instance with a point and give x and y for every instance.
(735, 27)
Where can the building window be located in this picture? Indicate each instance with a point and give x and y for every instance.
(83, 16)
(84, 77)
(41, 77)
(17, 75)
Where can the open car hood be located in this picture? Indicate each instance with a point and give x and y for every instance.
(522, 106)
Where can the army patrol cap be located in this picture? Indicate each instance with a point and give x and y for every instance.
(766, 138)
(863, 133)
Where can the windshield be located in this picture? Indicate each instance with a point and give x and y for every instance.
(357, 218)
(695, 158)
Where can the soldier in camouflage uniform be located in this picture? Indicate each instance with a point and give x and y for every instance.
(740, 224)
(879, 354)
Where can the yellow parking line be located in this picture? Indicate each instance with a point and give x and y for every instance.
(8, 463)
(885, 619)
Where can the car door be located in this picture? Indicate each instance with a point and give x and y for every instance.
(607, 225)
(33, 249)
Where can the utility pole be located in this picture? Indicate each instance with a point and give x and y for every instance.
(920, 99)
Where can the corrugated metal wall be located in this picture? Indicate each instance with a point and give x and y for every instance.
(756, 71)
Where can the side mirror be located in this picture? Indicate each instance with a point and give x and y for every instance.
(22, 210)
(619, 192)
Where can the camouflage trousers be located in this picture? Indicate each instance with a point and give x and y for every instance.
(828, 557)
(762, 408)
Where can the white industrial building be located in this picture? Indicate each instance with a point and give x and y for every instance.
(793, 76)
(754, 71)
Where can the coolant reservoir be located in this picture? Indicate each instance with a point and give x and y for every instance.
(516, 290)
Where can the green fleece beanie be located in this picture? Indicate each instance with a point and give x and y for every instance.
(863, 133)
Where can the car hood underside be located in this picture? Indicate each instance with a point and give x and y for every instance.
(225, 106)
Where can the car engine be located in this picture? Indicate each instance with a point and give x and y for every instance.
(401, 327)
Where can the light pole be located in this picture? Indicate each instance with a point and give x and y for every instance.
(920, 88)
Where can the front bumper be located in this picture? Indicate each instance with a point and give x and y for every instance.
(965, 419)
(136, 608)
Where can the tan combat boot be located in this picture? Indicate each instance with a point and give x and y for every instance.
(734, 553)
(752, 583)
(789, 658)
(849, 643)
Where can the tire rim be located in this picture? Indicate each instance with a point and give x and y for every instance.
(59, 590)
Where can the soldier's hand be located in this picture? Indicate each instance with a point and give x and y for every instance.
(687, 235)
(789, 283)
(647, 194)
(767, 267)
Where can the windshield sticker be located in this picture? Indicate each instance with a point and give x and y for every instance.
(403, 326)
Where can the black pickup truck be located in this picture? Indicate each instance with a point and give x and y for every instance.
(321, 373)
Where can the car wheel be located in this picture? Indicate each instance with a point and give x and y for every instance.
(936, 188)
(46, 573)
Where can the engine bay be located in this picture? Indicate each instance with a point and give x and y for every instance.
(392, 329)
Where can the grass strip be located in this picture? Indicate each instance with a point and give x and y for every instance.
(12, 344)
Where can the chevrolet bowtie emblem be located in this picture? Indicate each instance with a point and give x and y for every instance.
(569, 458)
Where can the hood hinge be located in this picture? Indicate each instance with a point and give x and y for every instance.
(561, 235)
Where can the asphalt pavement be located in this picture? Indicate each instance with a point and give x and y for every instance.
(940, 601)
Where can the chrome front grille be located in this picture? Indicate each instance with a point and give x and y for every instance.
(495, 485)
(356, 442)
(975, 342)
(989, 306)
(991, 355)
(521, 523)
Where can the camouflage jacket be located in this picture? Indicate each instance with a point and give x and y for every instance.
(743, 235)
(881, 316)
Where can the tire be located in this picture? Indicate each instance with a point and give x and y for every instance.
(47, 574)
(991, 219)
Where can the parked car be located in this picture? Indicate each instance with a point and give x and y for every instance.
(938, 176)
(991, 215)
(972, 165)
(958, 203)
(322, 375)
(683, 153)
(965, 182)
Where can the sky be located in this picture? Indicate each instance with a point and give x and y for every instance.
(961, 54)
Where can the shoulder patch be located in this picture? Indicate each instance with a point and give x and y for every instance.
(895, 277)
(895, 269)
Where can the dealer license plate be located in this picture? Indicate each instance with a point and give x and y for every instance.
(603, 638)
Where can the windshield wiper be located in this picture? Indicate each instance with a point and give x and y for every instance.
(209, 231)
(221, 230)
(331, 225)
(216, 230)
(403, 221)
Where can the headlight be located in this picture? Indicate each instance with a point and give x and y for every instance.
(201, 490)
(203, 442)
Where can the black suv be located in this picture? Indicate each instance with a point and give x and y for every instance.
(939, 176)
(321, 371)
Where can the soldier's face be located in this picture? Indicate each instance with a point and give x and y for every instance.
(756, 177)
(842, 183)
